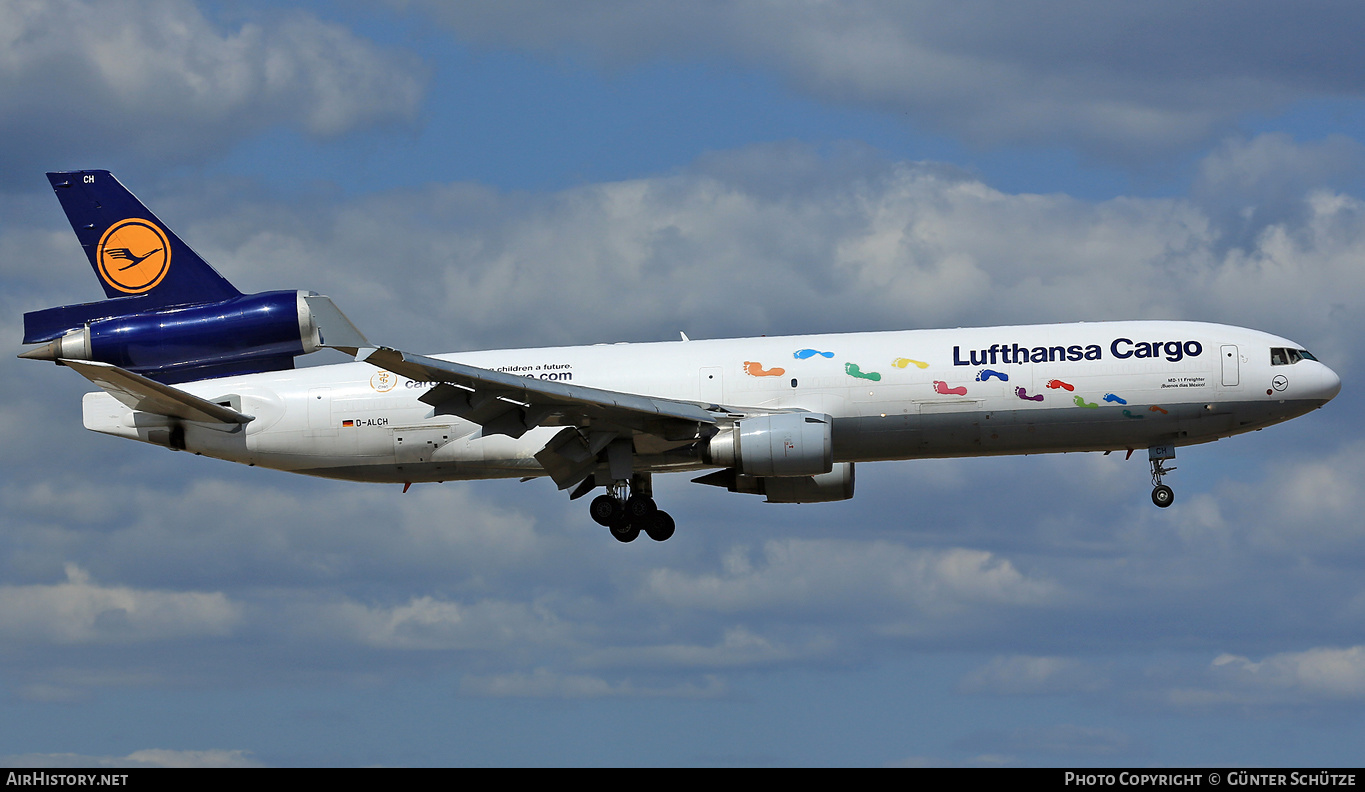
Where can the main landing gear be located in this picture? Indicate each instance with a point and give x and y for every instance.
(1162, 495)
(628, 516)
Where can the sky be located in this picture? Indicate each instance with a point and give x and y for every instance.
(498, 175)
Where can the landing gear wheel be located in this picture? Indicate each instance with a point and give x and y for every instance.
(639, 507)
(1163, 495)
(625, 532)
(606, 510)
(659, 526)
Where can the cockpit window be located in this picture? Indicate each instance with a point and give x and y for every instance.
(1281, 356)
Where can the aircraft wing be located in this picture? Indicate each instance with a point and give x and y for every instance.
(149, 396)
(509, 404)
(484, 397)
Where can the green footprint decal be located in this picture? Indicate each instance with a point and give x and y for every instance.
(1081, 402)
(853, 371)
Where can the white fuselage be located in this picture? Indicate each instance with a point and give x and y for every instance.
(893, 395)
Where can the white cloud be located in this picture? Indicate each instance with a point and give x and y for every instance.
(428, 623)
(831, 575)
(1320, 674)
(1116, 79)
(544, 683)
(1025, 675)
(151, 757)
(854, 243)
(80, 611)
(159, 79)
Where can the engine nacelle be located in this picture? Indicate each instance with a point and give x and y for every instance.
(783, 444)
(836, 485)
(250, 333)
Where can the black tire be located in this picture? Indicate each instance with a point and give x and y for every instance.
(1163, 495)
(606, 510)
(638, 507)
(625, 532)
(659, 526)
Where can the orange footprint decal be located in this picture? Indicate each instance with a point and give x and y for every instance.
(903, 362)
(1055, 384)
(1155, 408)
(942, 387)
(757, 370)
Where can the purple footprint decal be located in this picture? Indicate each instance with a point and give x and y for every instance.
(1023, 394)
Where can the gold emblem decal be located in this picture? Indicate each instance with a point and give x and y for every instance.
(133, 255)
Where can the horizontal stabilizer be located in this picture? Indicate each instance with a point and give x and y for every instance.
(149, 396)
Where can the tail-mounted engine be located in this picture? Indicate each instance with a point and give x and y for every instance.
(250, 333)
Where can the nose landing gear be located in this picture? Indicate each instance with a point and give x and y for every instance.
(1162, 495)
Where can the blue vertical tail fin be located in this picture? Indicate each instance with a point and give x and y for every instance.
(133, 253)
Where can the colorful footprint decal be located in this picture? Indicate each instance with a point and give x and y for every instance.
(1081, 402)
(1130, 415)
(1055, 384)
(1109, 397)
(757, 370)
(903, 362)
(802, 354)
(1155, 408)
(942, 387)
(853, 371)
(986, 374)
(1023, 394)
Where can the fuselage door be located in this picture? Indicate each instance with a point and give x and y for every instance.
(320, 413)
(711, 385)
(1230, 365)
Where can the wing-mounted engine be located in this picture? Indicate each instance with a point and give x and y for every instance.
(788, 457)
(836, 485)
(244, 334)
(781, 444)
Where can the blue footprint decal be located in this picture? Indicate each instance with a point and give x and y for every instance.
(802, 354)
(1109, 397)
(986, 374)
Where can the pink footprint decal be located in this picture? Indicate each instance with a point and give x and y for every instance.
(1055, 384)
(1023, 394)
(942, 387)
(757, 370)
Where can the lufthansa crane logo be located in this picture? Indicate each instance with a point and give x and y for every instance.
(133, 255)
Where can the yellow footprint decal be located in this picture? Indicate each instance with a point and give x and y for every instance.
(903, 362)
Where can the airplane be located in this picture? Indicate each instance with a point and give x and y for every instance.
(187, 362)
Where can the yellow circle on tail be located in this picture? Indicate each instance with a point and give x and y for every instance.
(133, 255)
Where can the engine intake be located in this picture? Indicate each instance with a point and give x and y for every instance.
(782, 444)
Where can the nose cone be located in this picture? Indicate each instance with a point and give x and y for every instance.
(1329, 386)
